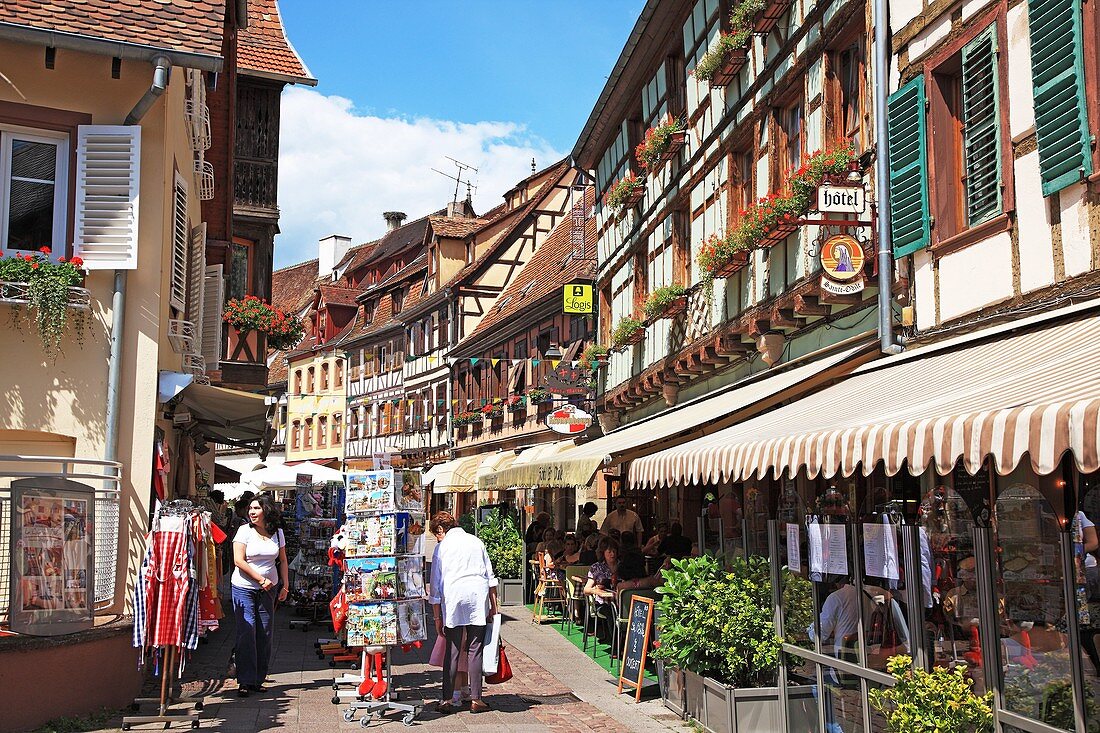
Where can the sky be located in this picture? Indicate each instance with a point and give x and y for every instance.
(491, 83)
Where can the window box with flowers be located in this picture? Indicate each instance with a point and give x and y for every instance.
(767, 16)
(539, 396)
(627, 333)
(667, 301)
(594, 356)
(722, 256)
(516, 403)
(252, 322)
(661, 143)
(463, 419)
(721, 64)
(53, 290)
(492, 411)
(624, 193)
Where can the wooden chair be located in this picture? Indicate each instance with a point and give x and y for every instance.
(549, 592)
(574, 589)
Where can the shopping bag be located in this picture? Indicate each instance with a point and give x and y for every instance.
(504, 670)
(491, 646)
(338, 607)
(438, 651)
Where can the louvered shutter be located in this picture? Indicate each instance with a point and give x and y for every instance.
(177, 282)
(196, 280)
(1058, 79)
(908, 139)
(213, 294)
(108, 165)
(981, 127)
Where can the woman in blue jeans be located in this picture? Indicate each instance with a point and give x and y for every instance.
(259, 557)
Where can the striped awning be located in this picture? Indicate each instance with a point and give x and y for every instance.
(1000, 395)
(457, 476)
(493, 464)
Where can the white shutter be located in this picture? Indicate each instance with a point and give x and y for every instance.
(212, 296)
(108, 162)
(196, 279)
(177, 282)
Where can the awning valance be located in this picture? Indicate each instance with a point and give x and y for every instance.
(285, 476)
(1000, 395)
(222, 415)
(490, 467)
(457, 476)
(575, 465)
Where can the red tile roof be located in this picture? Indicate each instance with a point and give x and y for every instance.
(263, 46)
(455, 226)
(384, 317)
(292, 286)
(337, 295)
(188, 26)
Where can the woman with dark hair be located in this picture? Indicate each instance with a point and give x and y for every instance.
(259, 554)
(584, 520)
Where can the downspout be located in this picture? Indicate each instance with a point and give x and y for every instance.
(118, 298)
(887, 342)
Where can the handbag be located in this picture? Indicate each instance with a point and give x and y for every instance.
(504, 670)
(338, 607)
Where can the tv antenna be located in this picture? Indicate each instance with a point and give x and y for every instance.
(463, 168)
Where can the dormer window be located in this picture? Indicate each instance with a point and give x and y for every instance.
(469, 251)
(398, 298)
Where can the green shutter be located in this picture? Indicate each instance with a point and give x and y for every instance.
(1058, 77)
(981, 127)
(908, 140)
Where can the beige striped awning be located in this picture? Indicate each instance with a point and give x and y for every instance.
(453, 477)
(1001, 395)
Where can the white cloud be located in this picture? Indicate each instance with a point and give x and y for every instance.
(339, 170)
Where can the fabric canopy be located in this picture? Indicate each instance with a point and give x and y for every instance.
(223, 415)
(286, 477)
(575, 465)
(491, 466)
(1000, 395)
(457, 476)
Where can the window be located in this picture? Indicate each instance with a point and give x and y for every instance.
(383, 359)
(545, 339)
(322, 431)
(296, 435)
(337, 436)
(441, 399)
(743, 191)
(240, 268)
(789, 142)
(655, 99)
(519, 350)
(578, 329)
(700, 30)
(33, 188)
(324, 376)
(444, 328)
(615, 162)
(368, 310)
(310, 374)
(297, 381)
(398, 298)
(353, 424)
(849, 84)
(339, 367)
(469, 251)
(309, 434)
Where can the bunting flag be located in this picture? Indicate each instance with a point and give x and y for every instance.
(494, 362)
(536, 362)
(433, 360)
(554, 364)
(474, 361)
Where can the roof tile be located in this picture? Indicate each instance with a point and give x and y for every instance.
(264, 47)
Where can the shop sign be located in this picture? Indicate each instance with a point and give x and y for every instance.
(842, 262)
(568, 420)
(303, 480)
(568, 380)
(577, 299)
(835, 198)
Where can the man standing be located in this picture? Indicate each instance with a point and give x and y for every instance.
(623, 519)
(464, 599)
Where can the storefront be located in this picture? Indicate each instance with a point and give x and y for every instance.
(941, 487)
(454, 485)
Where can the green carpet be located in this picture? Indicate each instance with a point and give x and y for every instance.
(603, 651)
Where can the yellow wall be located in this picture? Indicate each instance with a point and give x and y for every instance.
(68, 396)
(304, 403)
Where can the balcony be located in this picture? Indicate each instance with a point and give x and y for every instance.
(255, 184)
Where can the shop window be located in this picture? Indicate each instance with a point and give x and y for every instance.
(296, 435)
(324, 376)
(790, 141)
(322, 431)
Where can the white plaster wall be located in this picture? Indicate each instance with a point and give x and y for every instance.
(1035, 240)
(971, 7)
(929, 37)
(1021, 112)
(1076, 248)
(975, 277)
(924, 284)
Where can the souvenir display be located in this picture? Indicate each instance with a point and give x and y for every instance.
(408, 494)
(386, 623)
(384, 578)
(399, 533)
(370, 491)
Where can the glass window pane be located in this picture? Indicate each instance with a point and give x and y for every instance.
(828, 531)
(843, 702)
(31, 195)
(885, 611)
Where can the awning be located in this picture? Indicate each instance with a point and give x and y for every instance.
(245, 462)
(286, 476)
(457, 476)
(491, 466)
(575, 465)
(1000, 395)
(222, 415)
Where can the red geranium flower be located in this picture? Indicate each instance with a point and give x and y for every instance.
(44, 250)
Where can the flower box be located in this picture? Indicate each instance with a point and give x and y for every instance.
(17, 294)
(671, 683)
(726, 74)
(735, 264)
(767, 18)
(674, 308)
(635, 338)
(494, 414)
(779, 234)
(722, 708)
(661, 142)
(517, 403)
(676, 141)
(539, 396)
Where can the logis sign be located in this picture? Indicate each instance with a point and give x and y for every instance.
(568, 420)
(842, 262)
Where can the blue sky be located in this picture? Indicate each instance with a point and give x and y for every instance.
(404, 84)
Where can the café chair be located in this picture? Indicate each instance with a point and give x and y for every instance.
(574, 590)
(549, 592)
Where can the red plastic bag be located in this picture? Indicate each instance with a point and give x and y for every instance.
(504, 670)
(338, 607)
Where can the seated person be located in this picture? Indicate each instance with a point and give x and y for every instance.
(652, 547)
(675, 545)
(602, 579)
(551, 556)
(588, 550)
(572, 552)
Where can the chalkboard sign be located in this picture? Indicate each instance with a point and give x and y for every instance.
(974, 490)
(636, 647)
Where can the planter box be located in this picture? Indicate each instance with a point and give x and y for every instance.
(737, 263)
(16, 294)
(735, 61)
(671, 682)
(674, 308)
(247, 346)
(726, 709)
(676, 141)
(633, 339)
(693, 697)
(767, 18)
(510, 591)
(779, 234)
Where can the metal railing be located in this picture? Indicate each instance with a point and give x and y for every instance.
(105, 477)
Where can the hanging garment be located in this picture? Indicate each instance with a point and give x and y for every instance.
(168, 582)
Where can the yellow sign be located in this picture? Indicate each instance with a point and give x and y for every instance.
(577, 298)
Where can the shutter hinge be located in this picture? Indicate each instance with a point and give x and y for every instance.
(932, 222)
(927, 104)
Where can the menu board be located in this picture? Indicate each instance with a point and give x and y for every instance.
(636, 646)
(53, 568)
(794, 549)
(880, 551)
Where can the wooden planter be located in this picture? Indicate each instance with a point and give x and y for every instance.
(767, 18)
(633, 339)
(735, 61)
(247, 346)
(779, 234)
(674, 308)
(677, 141)
(736, 263)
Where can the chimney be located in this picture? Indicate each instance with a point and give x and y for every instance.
(394, 219)
(330, 251)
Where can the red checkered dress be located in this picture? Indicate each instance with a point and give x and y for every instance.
(168, 579)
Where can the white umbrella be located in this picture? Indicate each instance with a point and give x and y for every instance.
(286, 477)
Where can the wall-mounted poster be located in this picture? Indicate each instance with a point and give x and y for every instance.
(53, 566)
(370, 491)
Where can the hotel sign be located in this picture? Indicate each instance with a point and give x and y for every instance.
(841, 199)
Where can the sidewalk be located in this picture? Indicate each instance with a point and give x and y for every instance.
(554, 689)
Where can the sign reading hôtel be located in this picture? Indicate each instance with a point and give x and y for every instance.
(569, 420)
(833, 198)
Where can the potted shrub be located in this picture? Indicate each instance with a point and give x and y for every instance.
(940, 701)
(504, 545)
(661, 143)
(255, 325)
(539, 395)
(51, 289)
(594, 356)
(627, 332)
(716, 625)
(666, 301)
(624, 193)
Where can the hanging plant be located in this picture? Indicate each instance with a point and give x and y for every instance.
(628, 331)
(250, 313)
(663, 139)
(538, 395)
(44, 285)
(664, 299)
(624, 193)
(594, 356)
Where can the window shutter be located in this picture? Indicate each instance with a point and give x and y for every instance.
(108, 162)
(1058, 78)
(196, 280)
(177, 283)
(213, 293)
(981, 127)
(908, 140)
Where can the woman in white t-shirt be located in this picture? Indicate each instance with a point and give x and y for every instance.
(259, 557)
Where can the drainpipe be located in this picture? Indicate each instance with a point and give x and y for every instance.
(118, 299)
(887, 342)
